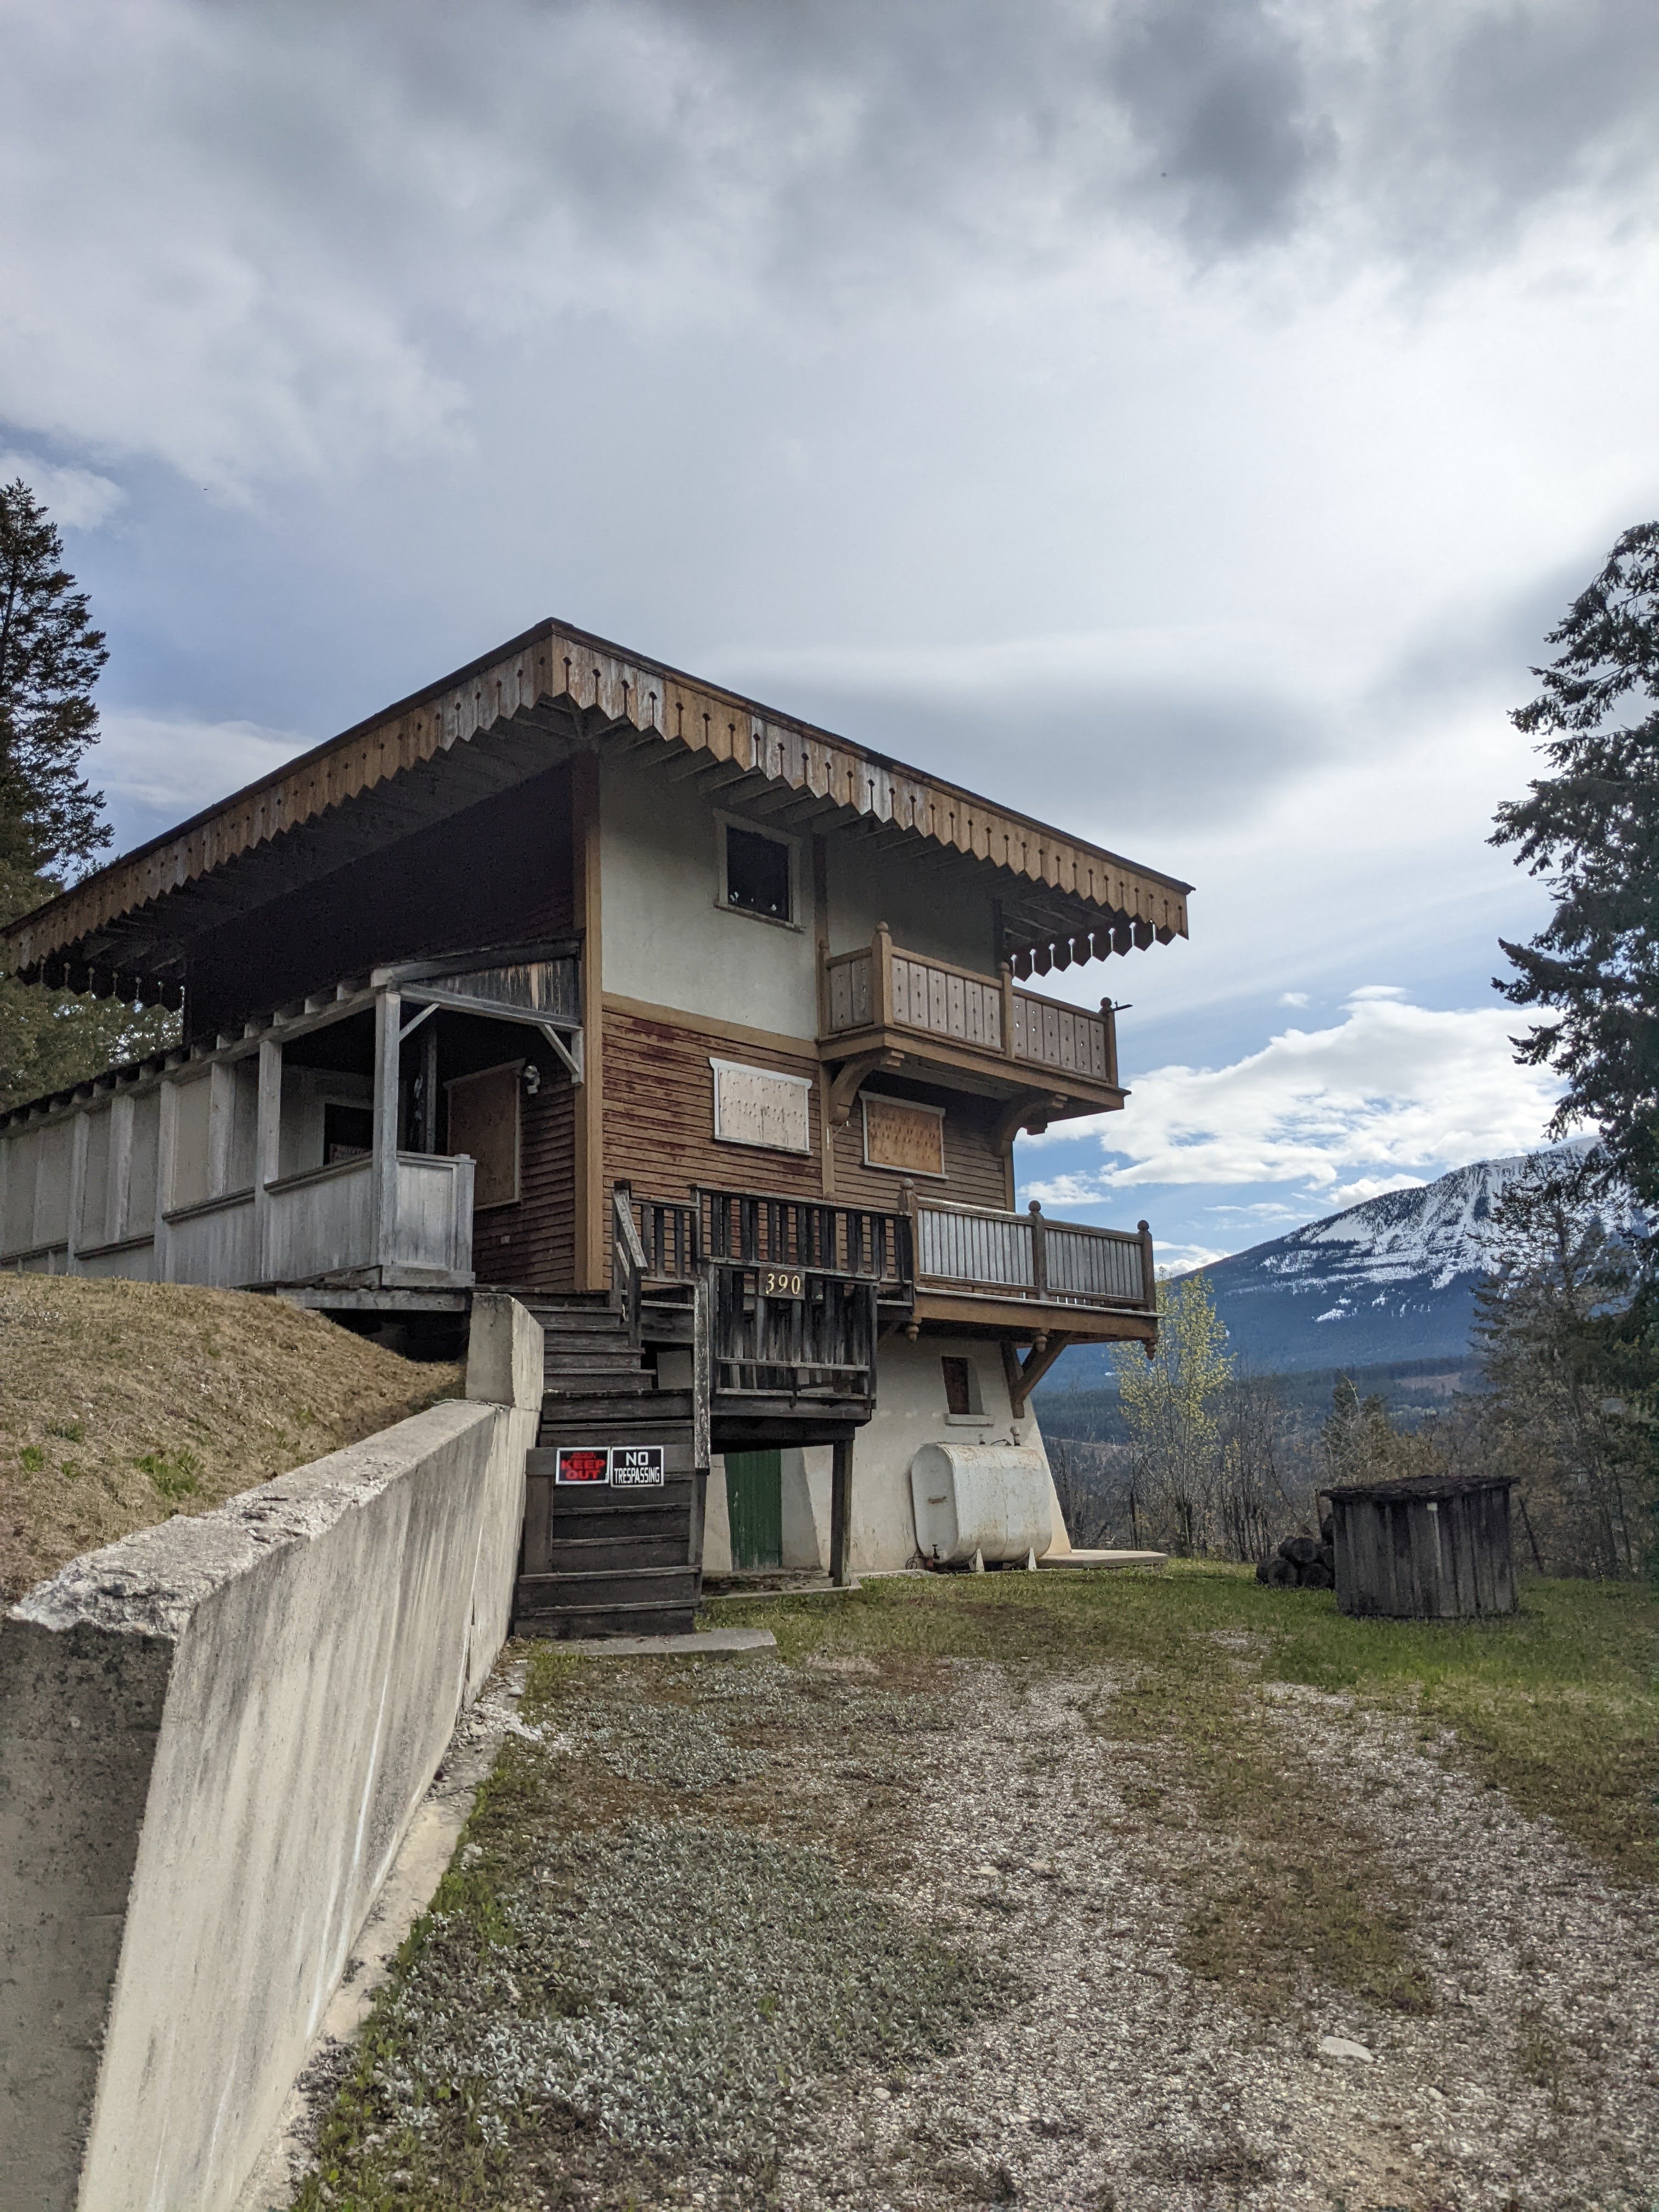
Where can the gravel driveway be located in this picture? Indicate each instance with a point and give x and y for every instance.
(903, 1932)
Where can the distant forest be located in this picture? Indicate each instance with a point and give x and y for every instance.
(1412, 1390)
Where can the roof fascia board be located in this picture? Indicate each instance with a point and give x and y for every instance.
(607, 688)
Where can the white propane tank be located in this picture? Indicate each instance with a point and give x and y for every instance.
(989, 1498)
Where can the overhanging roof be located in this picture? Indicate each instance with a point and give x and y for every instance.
(526, 708)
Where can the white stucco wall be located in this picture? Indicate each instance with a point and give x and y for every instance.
(910, 1412)
(668, 943)
(927, 911)
(665, 941)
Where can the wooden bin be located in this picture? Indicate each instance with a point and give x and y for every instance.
(1429, 1548)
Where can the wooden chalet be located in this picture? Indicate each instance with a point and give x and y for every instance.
(706, 1031)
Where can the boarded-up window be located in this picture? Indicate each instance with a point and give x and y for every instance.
(899, 1135)
(483, 1121)
(757, 1106)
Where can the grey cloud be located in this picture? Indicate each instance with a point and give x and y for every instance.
(1124, 761)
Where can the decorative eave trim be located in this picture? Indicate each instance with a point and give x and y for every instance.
(609, 689)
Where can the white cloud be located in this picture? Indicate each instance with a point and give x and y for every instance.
(77, 499)
(1182, 1258)
(1293, 997)
(1393, 1093)
(175, 765)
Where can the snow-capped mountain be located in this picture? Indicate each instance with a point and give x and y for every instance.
(1393, 1278)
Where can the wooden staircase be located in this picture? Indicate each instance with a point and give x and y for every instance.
(598, 1560)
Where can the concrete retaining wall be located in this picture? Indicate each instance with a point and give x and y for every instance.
(213, 1735)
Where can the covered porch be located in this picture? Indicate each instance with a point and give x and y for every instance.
(338, 1145)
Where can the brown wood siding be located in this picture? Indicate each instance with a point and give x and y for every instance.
(497, 873)
(972, 1164)
(659, 1114)
(659, 1125)
(533, 1244)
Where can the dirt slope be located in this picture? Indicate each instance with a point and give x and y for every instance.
(123, 1403)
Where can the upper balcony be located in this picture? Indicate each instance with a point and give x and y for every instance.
(884, 1004)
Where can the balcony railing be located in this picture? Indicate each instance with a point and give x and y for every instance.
(961, 1248)
(968, 1250)
(882, 987)
(746, 1228)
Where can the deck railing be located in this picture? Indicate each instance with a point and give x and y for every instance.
(966, 1248)
(881, 986)
(750, 1229)
(973, 1250)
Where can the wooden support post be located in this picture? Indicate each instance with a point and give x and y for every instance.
(821, 964)
(388, 1022)
(429, 1089)
(167, 1146)
(79, 1138)
(840, 1512)
(117, 1182)
(592, 1241)
(881, 977)
(267, 1151)
(1148, 1275)
(1108, 1015)
(222, 1122)
(1039, 1252)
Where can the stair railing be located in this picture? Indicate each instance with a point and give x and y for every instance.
(628, 1265)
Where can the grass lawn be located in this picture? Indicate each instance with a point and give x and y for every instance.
(673, 1902)
(1559, 1705)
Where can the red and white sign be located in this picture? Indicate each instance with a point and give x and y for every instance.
(582, 1463)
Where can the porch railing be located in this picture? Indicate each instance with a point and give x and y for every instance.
(881, 985)
(972, 1249)
(753, 1228)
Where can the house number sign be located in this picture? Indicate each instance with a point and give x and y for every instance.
(783, 1283)
(624, 1467)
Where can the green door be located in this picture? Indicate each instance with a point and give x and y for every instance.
(754, 1499)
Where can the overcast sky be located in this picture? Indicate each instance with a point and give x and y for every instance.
(1180, 419)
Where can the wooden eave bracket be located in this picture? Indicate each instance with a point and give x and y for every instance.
(1024, 1374)
(849, 1077)
(1032, 1111)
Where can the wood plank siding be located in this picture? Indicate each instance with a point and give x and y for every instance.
(534, 1242)
(974, 1166)
(500, 870)
(660, 1124)
(660, 1113)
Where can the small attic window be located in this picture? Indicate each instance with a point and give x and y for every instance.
(757, 872)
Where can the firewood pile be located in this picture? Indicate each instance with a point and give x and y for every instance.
(1300, 1563)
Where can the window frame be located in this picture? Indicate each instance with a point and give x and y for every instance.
(792, 846)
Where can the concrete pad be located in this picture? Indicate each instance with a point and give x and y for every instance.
(777, 1596)
(1100, 1559)
(716, 1644)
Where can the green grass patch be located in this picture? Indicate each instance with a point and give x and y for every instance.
(1557, 1705)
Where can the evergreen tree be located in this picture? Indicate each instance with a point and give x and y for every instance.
(51, 823)
(51, 819)
(1591, 828)
(1568, 1381)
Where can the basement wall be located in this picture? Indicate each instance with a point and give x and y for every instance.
(213, 1736)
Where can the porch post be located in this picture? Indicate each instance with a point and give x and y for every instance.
(221, 1114)
(267, 1151)
(167, 1146)
(841, 1511)
(79, 1138)
(593, 1239)
(388, 1022)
